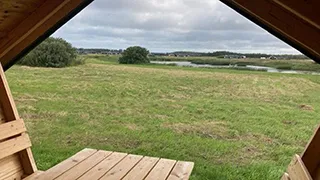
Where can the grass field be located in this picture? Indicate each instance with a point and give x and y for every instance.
(232, 124)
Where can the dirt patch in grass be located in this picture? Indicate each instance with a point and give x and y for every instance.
(214, 129)
(45, 115)
(306, 107)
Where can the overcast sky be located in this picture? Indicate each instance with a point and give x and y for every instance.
(168, 25)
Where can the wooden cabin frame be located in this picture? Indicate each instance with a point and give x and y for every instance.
(26, 23)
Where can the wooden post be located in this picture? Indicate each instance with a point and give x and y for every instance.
(10, 113)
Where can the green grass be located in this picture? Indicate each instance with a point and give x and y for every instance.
(232, 124)
(303, 65)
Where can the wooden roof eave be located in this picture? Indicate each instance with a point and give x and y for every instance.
(36, 27)
(294, 22)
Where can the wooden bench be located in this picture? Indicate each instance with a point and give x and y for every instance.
(97, 164)
(17, 162)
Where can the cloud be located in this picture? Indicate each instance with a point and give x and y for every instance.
(168, 25)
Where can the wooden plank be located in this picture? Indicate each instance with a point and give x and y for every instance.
(60, 168)
(297, 170)
(34, 175)
(181, 171)
(162, 170)
(14, 145)
(34, 26)
(121, 169)
(283, 23)
(15, 176)
(9, 165)
(10, 113)
(28, 163)
(30, 22)
(9, 108)
(285, 176)
(84, 166)
(12, 128)
(2, 120)
(141, 170)
(311, 155)
(103, 167)
(306, 10)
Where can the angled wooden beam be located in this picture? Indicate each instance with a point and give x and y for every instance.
(11, 114)
(311, 155)
(44, 21)
(284, 19)
(307, 10)
(297, 170)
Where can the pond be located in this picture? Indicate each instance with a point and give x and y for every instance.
(247, 67)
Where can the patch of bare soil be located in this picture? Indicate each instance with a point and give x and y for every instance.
(306, 107)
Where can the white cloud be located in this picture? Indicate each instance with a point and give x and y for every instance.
(168, 25)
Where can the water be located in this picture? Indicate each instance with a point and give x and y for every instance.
(247, 67)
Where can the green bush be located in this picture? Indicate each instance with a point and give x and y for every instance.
(53, 52)
(135, 55)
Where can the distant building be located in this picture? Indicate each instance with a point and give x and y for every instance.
(272, 57)
(263, 58)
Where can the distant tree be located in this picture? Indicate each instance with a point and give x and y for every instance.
(134, 55)
(53, 52)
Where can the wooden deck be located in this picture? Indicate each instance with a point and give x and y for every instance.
(97, 164)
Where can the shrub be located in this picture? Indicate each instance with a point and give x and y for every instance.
(135, 55)
(53, 52)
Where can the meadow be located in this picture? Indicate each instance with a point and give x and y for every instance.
(232, 124)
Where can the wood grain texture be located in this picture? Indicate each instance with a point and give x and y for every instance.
(32, 176)
(181, 171)
(14, 145)
(121, 169)
(10, 113)
(84, 166)
(12, 12)
(9, 108)
(11, 128)
(35, 25)
(103, 167)
(64, 166)
(10, 166)
(162, 170)
(297, 169)
(311, 155)
(90, 164)
(142, 169)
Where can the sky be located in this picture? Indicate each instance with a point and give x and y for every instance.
(167, 26)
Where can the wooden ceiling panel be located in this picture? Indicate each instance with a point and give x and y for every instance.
(296, 22)
(305, 9)
(26, 23)
(13, 12)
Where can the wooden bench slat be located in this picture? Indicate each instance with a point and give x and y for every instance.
(162, 169)
(297, 170)
(66, 165)
(14, 145)
(84, 166)
(9, 164)
(121, 169)
(11, 128)
(181, 171)
(32, 176)
(15, 176)
(104, 166)
(141, 170)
